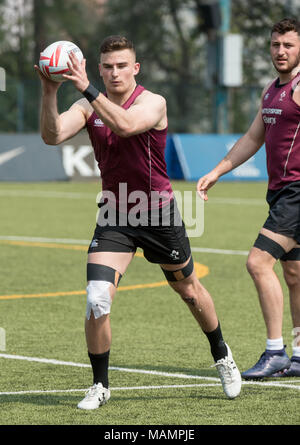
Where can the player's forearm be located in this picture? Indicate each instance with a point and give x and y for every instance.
(50, 120)
(242, 150)
(226, 165)
(223, 167)
(112, 115)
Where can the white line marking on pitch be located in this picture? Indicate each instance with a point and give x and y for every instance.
(274, 384)
(46, 194)
(45, 240)
(84, 195)
(221, 251)
(150, 372)
(87, 242)
(128, 388)
(111, 368)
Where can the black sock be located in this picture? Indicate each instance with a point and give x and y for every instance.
(99, 364)
(217, 345)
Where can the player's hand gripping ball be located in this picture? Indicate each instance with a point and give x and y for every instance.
(53, 60)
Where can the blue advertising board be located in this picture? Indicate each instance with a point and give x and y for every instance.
(25, 157)
(190, 156)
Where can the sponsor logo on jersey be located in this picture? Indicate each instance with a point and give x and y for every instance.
(271, 111)
(270, 119)
(282, 96)
(98, 123)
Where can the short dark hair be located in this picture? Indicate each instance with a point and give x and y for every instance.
(285, 25)
(116, 43)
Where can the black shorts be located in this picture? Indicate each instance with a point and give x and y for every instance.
(161, 243)
(284, 211)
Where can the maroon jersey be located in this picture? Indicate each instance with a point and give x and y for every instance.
(281, 116)
(137, 162)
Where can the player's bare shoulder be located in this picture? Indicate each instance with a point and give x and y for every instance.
(264, 92)
(157, 102)
(148, 96)
(296, 92)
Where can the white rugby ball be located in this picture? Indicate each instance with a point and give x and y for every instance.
(53, 60)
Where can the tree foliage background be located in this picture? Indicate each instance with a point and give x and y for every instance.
(171, 47)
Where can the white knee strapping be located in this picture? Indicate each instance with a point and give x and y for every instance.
(98, 298)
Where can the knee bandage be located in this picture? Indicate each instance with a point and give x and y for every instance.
(268, 245)
(180, 274)
(100, 279)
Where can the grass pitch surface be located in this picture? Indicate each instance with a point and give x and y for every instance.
(160, 361)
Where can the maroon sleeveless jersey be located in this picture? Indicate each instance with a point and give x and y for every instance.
(281, 117)
(136, 162)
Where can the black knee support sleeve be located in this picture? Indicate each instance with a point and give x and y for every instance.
(292, 255)
(180, 274)
(99, 272)
(267, 244)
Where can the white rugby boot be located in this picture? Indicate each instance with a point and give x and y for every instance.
(95, 396)
(229, 374)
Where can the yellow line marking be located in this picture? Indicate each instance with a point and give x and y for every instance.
(48, 294)
(52, 246)
(47, 245)
(201, 271)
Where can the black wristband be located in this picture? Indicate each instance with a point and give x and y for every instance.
(91, 93)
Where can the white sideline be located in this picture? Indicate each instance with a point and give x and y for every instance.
(45, 194)
(128, 388)
(35, 239)
(277, 384)
(111, 368)
(87, 242)
(85, 195)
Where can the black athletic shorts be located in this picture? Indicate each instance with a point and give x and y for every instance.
(163, 242)
(284, 211)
